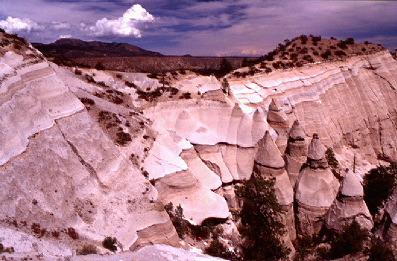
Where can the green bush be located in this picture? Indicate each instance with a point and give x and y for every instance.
(181, 225)
(261, 220)
(378, 186)
(110, 243)
(349, 241)
(333, 163)
(224, 68)
(99, 66)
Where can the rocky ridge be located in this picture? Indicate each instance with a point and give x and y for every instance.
(102, 152)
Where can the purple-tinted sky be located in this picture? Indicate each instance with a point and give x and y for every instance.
(200, 27)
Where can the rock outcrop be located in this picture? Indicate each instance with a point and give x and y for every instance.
(349, 205)
(347, 102)
(296, 152)
(278, 120)
(388, 229)
(316, 190)
(269, 163)
(63, 178)
(86, 154)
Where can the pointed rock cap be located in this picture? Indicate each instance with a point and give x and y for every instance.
(268, 154)
(237, 111)
(274, 105)
(351, 185)
(316, 148)
(276, 116)
(296, 132)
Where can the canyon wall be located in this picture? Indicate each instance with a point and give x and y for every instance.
(86, 154)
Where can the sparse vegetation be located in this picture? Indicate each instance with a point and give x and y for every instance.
(88, 249)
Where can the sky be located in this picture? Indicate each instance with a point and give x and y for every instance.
(200, 27)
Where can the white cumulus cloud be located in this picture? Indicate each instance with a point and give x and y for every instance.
(129, 25)
(14, 25)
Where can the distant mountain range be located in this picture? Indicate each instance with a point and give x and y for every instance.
(75, 48)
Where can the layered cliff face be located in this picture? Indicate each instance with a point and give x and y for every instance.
(63, 180)
(348, 103)
(87, 154)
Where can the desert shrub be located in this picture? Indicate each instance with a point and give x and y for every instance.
(308, 58)
(55, 233)
(378, 186)
(182, 71)
(87, 249)
(294, 55)
(72, 233)
(342, 45)
(225, 85)
(176, 215)
(380, 251)
(110, 243)
(200, 232)
(6, 249)
(304, 39)
(123, 138)
(261, 220)
(306, 245)
(224, 68)
(119, 76)
(326, 54)
(349, 41)
(115, 99)
(99, 66)
(349, 241)
(304, 51)
(186, 95)
(87, 101)
(89, 78)
(130, 84)
(340, 53)
(153, 75)
(316, 53)
(216, 248)
(17, 46)
(77, 72)
(333, 162)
